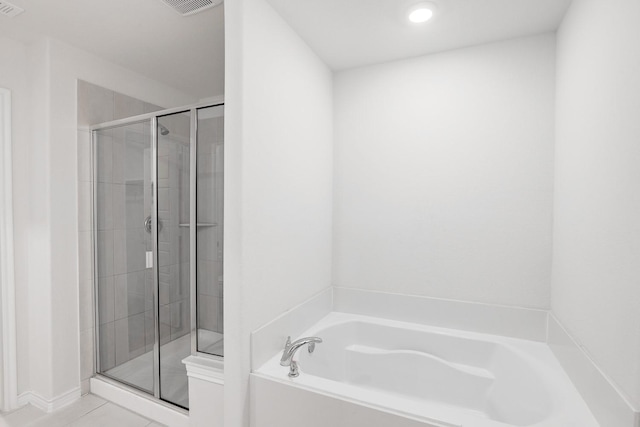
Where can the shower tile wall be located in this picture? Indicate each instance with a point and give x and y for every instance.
(210, 211)
(122, 242)
(125, 277)
(173, 239)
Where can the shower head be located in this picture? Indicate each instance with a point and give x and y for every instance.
(163, 130)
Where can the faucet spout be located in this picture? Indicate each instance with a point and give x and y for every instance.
(290, 349)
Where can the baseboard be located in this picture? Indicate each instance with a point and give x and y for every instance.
(608, 405)
(49, 405)
(134, 401)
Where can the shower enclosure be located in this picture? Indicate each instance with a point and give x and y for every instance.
(157, 204)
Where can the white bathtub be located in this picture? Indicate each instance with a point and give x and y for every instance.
(440, 376)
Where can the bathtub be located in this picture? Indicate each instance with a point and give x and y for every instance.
(439, 376)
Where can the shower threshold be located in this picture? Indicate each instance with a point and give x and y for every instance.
(175, 385)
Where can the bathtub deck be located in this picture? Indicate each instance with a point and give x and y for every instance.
(567, 407)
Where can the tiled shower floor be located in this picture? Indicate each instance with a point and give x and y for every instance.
(173, 374)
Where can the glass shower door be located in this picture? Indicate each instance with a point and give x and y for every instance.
(126, 317)
(209, 179)
(174, 213)
(158, 253)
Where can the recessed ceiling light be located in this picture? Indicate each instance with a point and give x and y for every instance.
(421, 12)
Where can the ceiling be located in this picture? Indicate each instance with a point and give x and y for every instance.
(145, 36)
(187, 53)
(352, 33)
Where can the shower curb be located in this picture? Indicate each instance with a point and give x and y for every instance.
(140, 404)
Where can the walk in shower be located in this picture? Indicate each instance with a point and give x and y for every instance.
(158, 221)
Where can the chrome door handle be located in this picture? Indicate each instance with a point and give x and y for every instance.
(148, 222)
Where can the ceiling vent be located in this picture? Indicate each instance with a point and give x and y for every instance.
(190, 7)
(10, 10)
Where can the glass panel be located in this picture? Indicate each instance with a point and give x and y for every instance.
(132, 322)
(173, 255)
(125, 286)
(210, 170)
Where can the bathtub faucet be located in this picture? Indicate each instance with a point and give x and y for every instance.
(290, 349)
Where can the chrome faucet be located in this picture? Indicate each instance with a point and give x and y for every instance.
(290, 349)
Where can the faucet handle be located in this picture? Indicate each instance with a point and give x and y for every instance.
(290, 349)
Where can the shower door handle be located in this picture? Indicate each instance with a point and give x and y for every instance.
(148, 222)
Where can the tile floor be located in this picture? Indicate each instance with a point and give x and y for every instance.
(89, 411)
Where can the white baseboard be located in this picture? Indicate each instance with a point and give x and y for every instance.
(49, 405)
(607, 403)
(144, 406)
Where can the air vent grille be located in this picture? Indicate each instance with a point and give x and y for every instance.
(10, 10)
(190, 7)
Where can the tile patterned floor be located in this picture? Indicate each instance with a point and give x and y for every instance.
(89, 411)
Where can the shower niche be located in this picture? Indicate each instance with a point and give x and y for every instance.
(158, 249)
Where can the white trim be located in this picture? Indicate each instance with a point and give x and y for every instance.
(9, 371)
(50, 405)
(144, 406)
(205, 369)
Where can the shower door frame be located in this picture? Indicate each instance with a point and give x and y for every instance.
(193, 330)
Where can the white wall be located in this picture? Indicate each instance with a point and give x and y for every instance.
(278, 178)
(44, 77)
(596, 273)
(36, 192)
(13, 76)
(287, 144)
(444, 174)
(67, 66)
